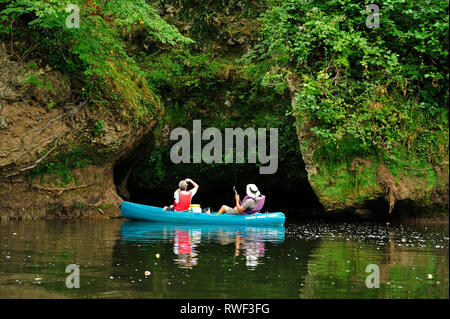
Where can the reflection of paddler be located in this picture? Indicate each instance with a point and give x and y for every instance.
(184, 247)
(182, 243)
(251, 249)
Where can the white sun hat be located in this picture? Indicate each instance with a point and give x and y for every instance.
(252, 190)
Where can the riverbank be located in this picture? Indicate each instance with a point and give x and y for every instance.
(85, 212)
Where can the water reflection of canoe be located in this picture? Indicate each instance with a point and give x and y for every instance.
(156, 214)
(145, 231)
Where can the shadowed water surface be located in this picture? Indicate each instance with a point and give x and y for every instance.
(124, 259)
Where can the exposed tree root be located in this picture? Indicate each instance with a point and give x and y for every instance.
(58, 190)
(385, 178)
(40, 159)
(32, 147)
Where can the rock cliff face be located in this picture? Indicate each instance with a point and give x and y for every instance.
(41, 120)
(368, 183)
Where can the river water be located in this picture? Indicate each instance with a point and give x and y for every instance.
(125, 259)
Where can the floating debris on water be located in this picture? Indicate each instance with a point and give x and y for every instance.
(316, 249)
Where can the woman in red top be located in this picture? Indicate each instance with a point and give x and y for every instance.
(183, 197)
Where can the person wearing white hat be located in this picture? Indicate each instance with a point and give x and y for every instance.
(251, 204)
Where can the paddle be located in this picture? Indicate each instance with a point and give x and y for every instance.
(235, 191)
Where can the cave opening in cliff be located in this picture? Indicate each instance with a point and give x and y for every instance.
(152, 180)
(281, 193)
(151, 177)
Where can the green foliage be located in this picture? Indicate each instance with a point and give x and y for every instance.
(59, 169)
(365, 91)
(211, 20)
(39, 83)
(98, 127)
(380, 93)
(222, 94)
(95, 53)
(179, 70)
(127, 14)
(51, 104)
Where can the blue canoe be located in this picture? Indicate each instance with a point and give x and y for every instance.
(156, 214)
